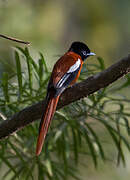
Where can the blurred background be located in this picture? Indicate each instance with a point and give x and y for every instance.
(51, 26)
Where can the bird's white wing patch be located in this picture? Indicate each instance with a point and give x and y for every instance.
(62, 81)
(75, 66)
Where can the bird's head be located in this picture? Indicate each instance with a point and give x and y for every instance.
(81, 49)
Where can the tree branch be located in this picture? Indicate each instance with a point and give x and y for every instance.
(14, 39)
(71, 94)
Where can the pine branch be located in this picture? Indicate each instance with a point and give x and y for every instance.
(74, 93)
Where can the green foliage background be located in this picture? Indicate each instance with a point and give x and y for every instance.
(75, 133)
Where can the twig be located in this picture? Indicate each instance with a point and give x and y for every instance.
(74, 93)
(14, 39)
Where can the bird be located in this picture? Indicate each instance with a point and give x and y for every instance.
(65, 73)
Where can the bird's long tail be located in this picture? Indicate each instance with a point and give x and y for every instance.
(45, 122)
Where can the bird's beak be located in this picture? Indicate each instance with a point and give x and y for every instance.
(91, 54)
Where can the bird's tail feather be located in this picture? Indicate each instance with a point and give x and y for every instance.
(45, 122)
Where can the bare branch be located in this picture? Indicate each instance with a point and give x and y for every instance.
(14, 39)
(74, 93)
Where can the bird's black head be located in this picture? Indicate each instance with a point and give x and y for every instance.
(81, 49)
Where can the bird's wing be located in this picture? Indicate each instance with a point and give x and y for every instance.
(65, 71)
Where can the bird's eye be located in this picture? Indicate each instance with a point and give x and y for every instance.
(84, 53)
